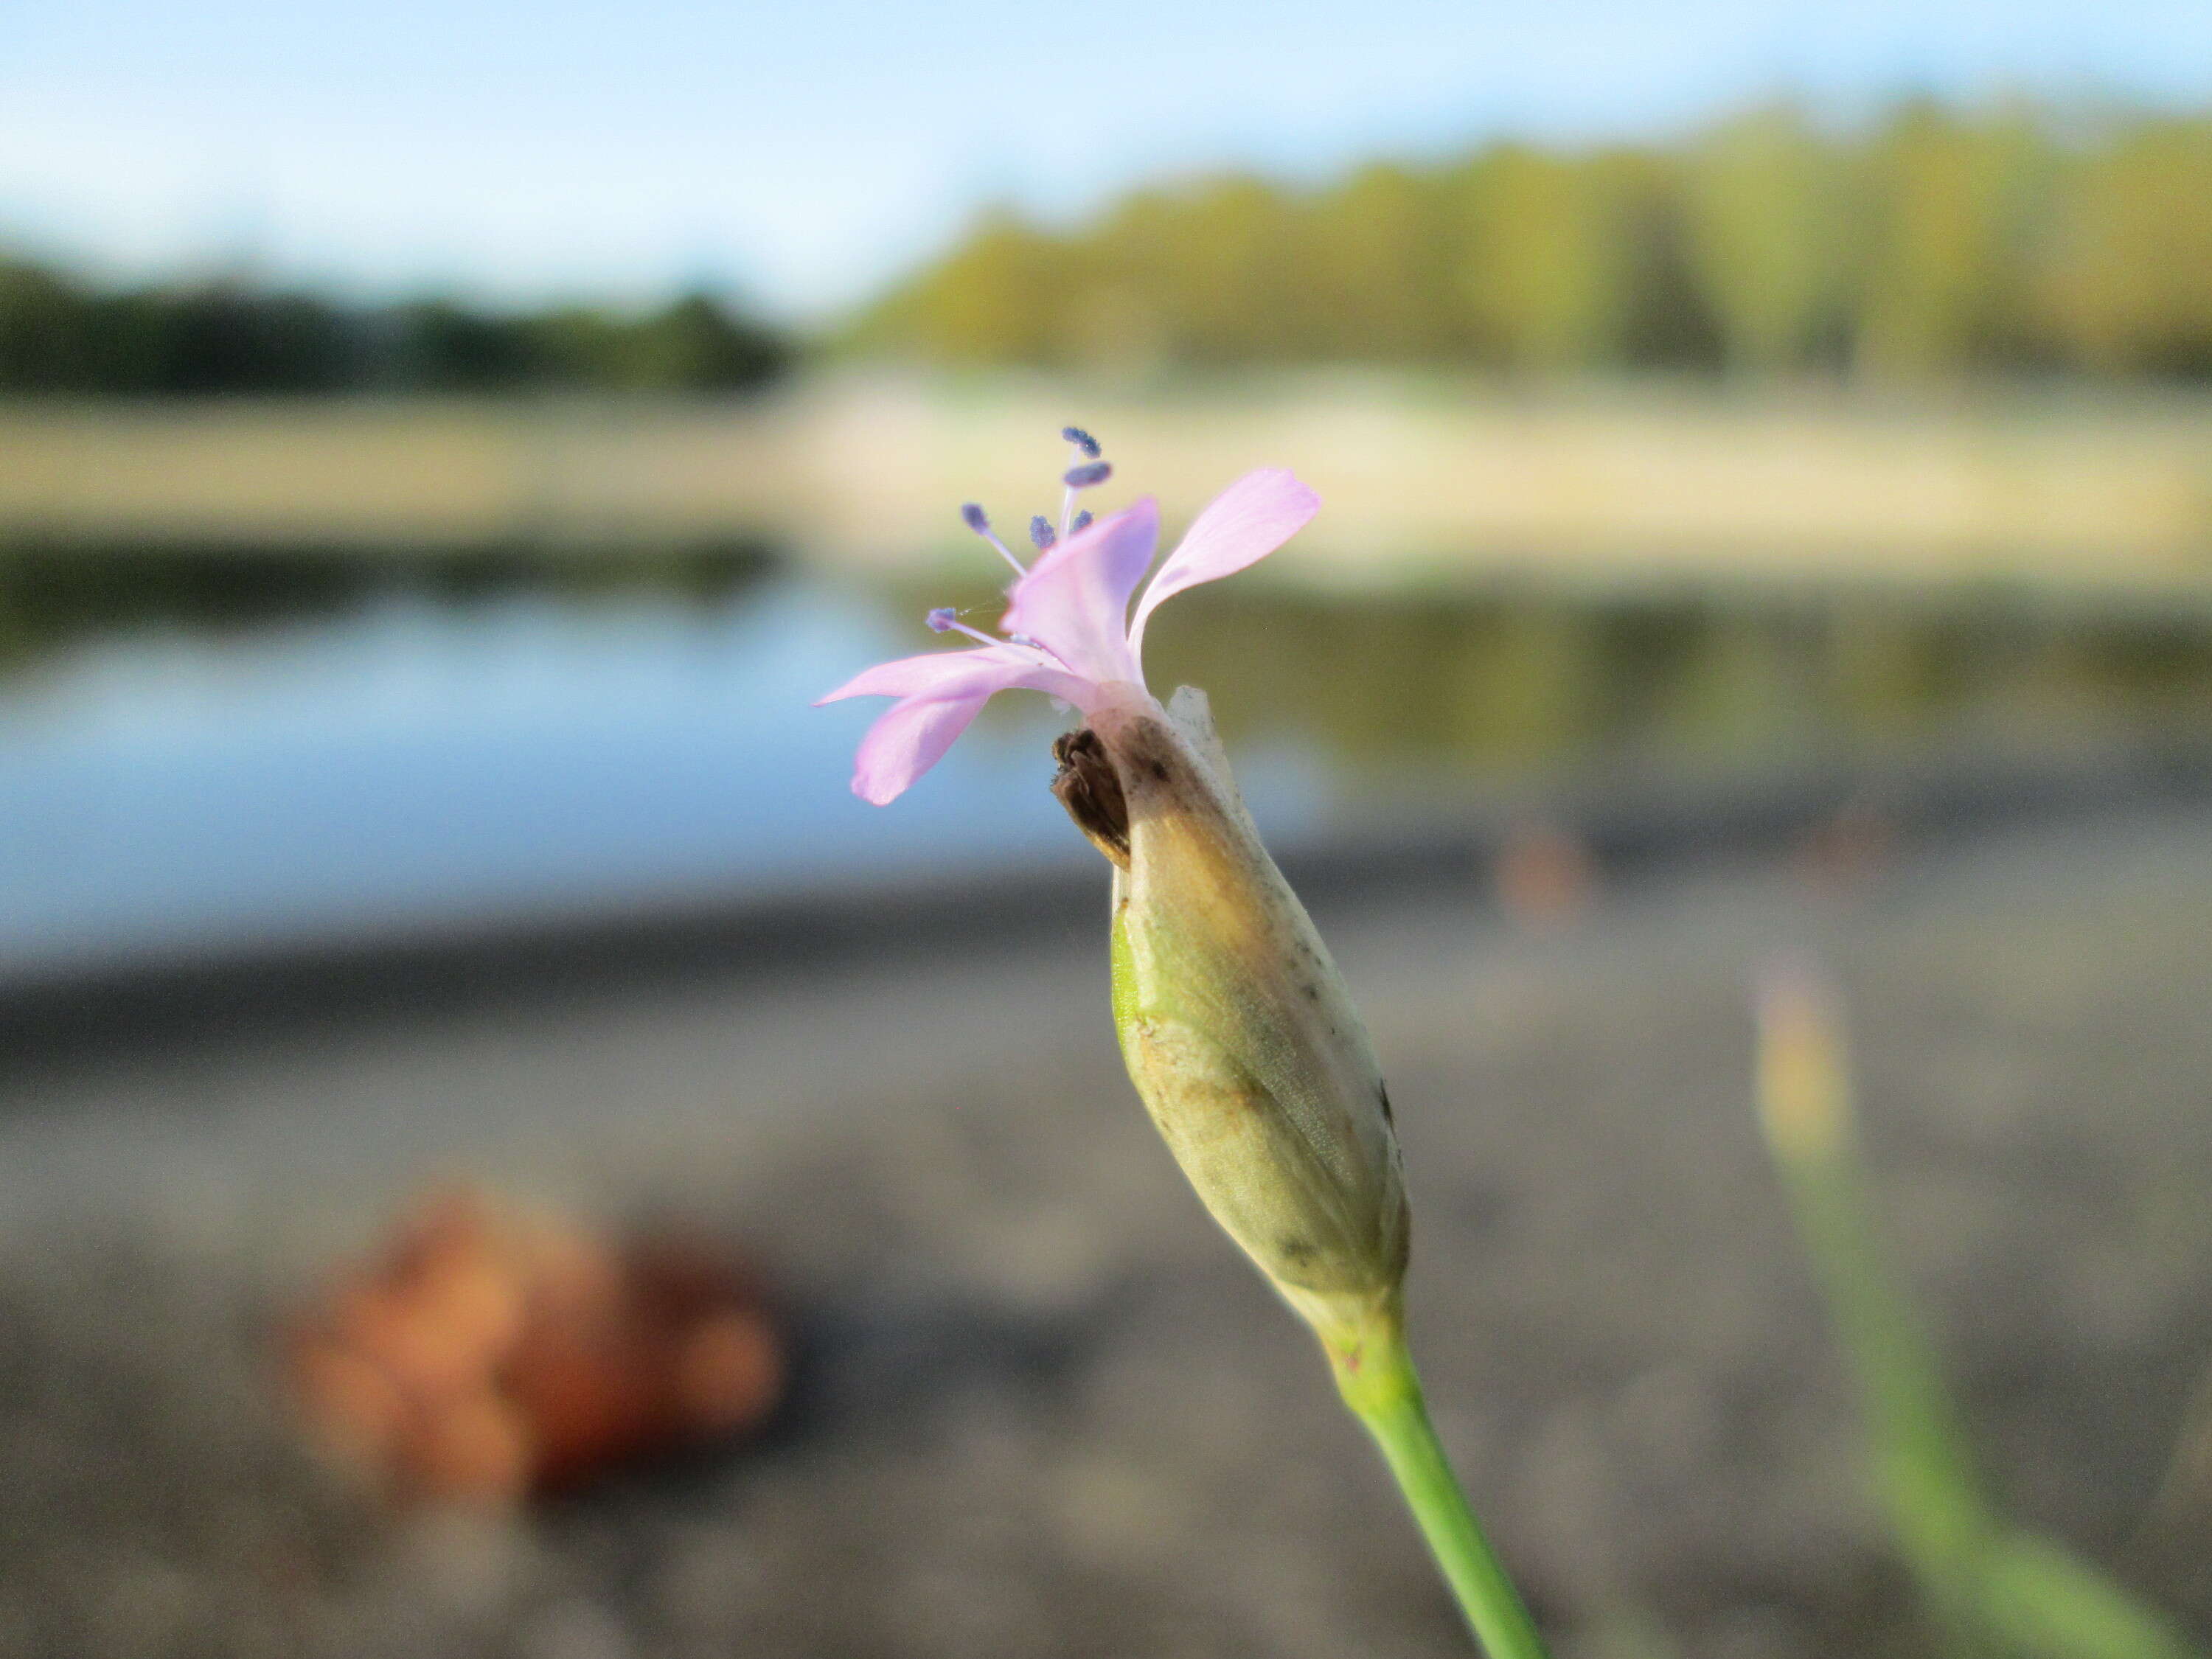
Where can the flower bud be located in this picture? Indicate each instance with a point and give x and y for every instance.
(1235, 1024)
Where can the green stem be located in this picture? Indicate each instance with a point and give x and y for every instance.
(1995, 1585)
(1376, 1377)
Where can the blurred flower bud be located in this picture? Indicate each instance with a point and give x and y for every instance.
(1236, 1027)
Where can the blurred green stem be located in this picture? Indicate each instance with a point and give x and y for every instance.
(1924, 1471)
(1994, 1584)
(1374, 1374)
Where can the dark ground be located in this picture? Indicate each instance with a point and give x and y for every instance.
(1045, 1409)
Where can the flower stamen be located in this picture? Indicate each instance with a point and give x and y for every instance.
(976, 520)
(1068, 631)
(1087, 472)
(945, 620)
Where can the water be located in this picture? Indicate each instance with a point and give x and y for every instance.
(398, 760)
(415, 767)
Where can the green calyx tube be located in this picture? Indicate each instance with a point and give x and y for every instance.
(1245, 1047)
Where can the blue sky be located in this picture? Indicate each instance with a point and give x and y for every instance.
(805, 152)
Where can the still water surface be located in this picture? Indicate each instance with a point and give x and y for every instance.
(407, 760)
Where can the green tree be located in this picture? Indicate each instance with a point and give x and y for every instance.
(1541, 279)
(1218, 265)
(996, 298)
(48, 326)
(697, 343)
(1767, 234)
(1668, 319)
(2126, 283)
(1376, 271)
(1947, 198)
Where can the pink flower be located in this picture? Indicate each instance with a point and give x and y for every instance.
(1067, 630)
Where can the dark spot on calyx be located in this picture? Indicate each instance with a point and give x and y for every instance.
(1087, 787)
(1160, 770)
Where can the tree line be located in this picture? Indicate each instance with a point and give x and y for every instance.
(1935, 242)
(61, 334)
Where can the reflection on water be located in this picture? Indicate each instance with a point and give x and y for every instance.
(1469, 687)
(52, 597)
(1527, 682)
(218, 755)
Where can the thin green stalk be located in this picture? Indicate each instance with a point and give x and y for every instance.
(1374, 1374)
(1995, 1584)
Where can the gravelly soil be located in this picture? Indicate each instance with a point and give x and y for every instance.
(1045, 1409)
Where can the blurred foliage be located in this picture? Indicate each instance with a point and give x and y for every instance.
(58, 335)
(1933, 243)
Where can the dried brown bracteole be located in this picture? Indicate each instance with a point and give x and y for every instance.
(1088, 787)
(484, 1355)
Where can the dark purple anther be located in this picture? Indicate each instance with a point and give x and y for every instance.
(1089, 473)
(973, 516)
(1082, 439)
(1041, 533)
(1082, 522)
(940, 619)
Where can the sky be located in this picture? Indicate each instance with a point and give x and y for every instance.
(802, 154)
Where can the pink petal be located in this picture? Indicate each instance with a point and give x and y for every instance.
(1074, 600)
(1243, 525)
(909, 739)
(909, 676)
(939, 692)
